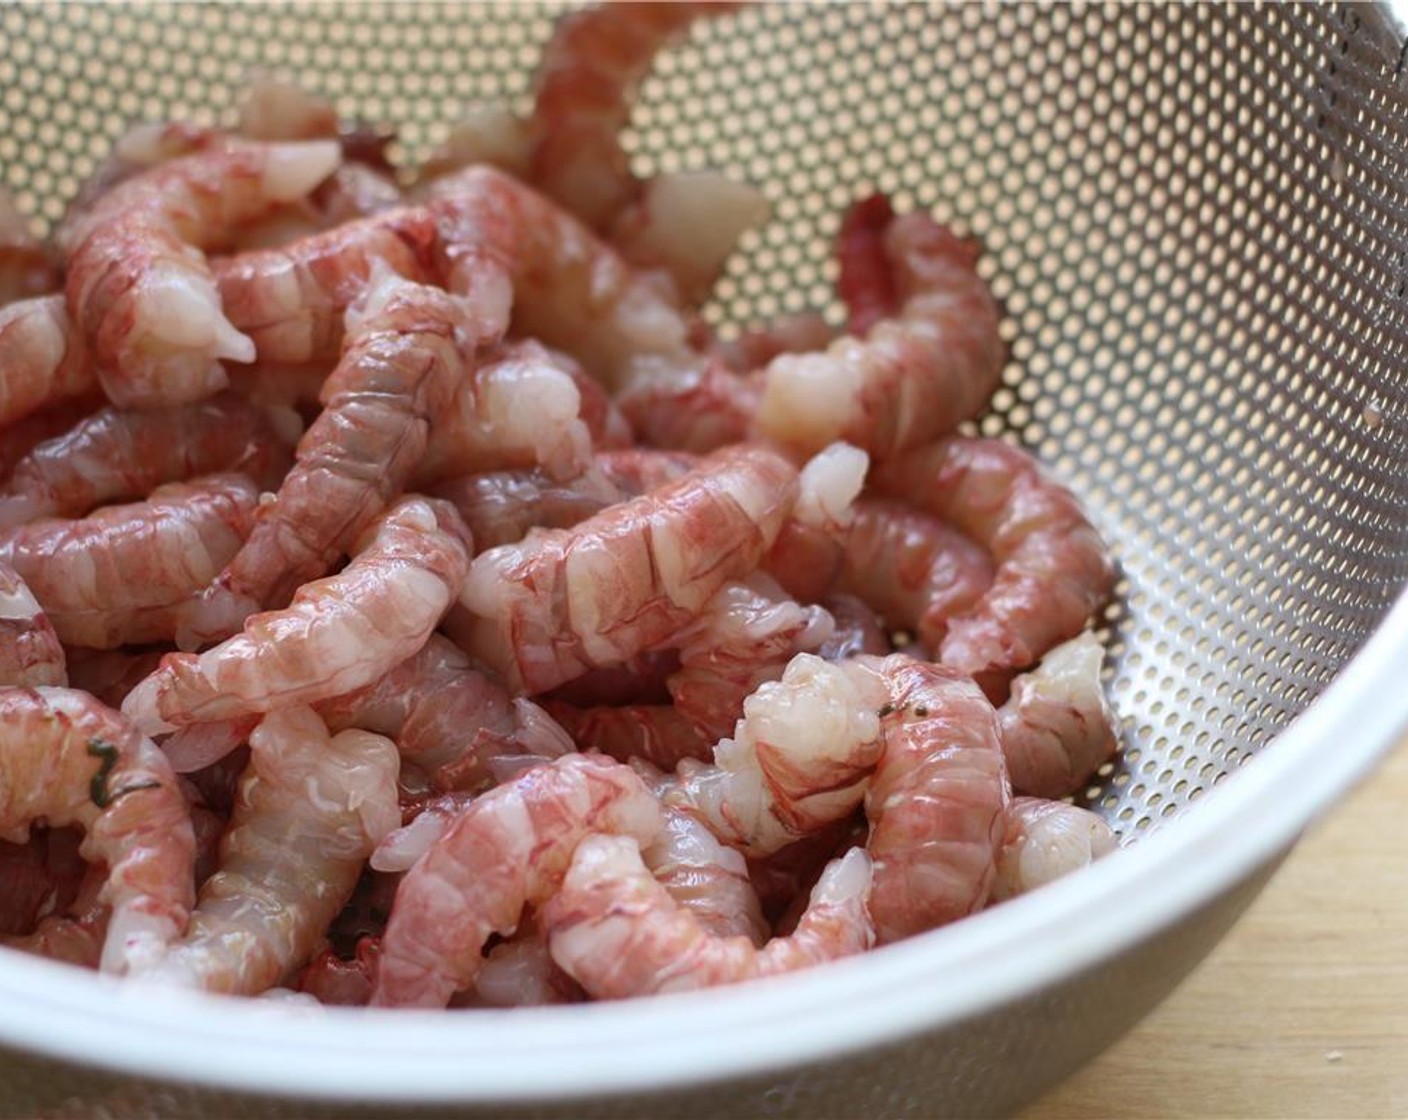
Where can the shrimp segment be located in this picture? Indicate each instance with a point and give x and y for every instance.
(617, 932)
(706, 878)
(509, 849)
(66, 759)
(1057, 727)
(559, 603)
(128, 574)
(407, 349)
(915, 376)
(30, 652)
(1052, 569)
(339, 634)
(115, 456)
(937, 802)
(309, 811)
(1045, 840)
(140, 291)
(43, 359)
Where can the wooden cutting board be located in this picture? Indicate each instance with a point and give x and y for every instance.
(1302, 1011)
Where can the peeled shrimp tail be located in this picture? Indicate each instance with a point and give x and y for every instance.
(619, 934)
(1044, 840)
(30, 651)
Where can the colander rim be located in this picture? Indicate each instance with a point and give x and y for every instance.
(921, 984)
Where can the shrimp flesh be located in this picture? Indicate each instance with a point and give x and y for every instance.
(43, 359)
(292, 300)
(139, 289)
(339, 634)
(807, 558)
(866, 283)
(617, 932)
(1057, 727)
(1052, 569)
(564, 601)
(273, 108)
(520, 972)
(916, 376)
(485, 134)
(27, 266)
(500, 507)
(330, 979)
(693, 408)
(784, 879)
(30, 652)
(509, 849)
(65, 759)
(1045, 840)
(128, 574)
(409, 345)
(74, 934)
(115, 456)
(655, 733)
(706, 878)
(309, 812)
(799, 758)
(937, 802)
(756, 346)
(458, 725)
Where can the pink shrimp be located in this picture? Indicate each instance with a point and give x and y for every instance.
(509, 849)
(141, 148)
(520, 407)
(484, 134)
(330, 979)
(409, 346)
(339, 634)
(808, 556)
(500, 507)
(23, 436)
(866, 282)
(937, 801)
(65, 759)
(309, 812)
(115, 455)
(127, 574)
(914, 377)
(798, 760)
(141, 293)
(565, 601)
(655, 733)
(458, 725)
(1057, 727)
(76, 934)
(693, 408)
(706, 878)
(1052, 569)
(292, 300)
(30, 651)
(520, 972)
(616, 931)
(1045, 840)
(43, 359)
(784, 879)
(27, 265)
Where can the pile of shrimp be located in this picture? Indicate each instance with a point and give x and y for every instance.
(410, 601)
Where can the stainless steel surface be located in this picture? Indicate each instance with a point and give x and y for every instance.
(1196, 218)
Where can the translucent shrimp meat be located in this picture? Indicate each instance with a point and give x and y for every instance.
(30, 652)
(139, 288)
(1052, 570)
(127, 574)
(705, 877)
(561, 602)
(339, 634)
(43, 358)
(310, 810)
(509, 849)
(937, 801)
(1045, 840)
(807, 557)
(618, 933)
(65, 759)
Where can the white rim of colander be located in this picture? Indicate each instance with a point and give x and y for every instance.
(927, 982)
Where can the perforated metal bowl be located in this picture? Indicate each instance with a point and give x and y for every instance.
(1197, 219)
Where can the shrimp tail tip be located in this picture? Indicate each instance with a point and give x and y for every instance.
(295, 168)
(142, 707)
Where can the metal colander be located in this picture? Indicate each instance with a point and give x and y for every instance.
(1196, 218)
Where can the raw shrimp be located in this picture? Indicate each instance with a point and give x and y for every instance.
(65, 759)
(865, 280)
(76, 934)
(706, 878)
(500, 507)
(520, 972)
(115, 455)
(309, 812)
(43, 360)
(1057, 727)
(140, 148)
(330, 979)
(409, 346)
(659, 734)
(127, 574)
(1052, 569)
(458, 725)
(27, 265)
(1045, 840)
(564, 601)
(509, 849)
(784, 879)
(617, 932)
(30, 652)
(198, 745)
(693, 408)
(937, 802)
(485, 134)
(798, 760)
(519, 407)
(915, 376)
(292, 300)
(141, 293)
(23, 436)
(807, 557)
(339, 634)
(273, 108)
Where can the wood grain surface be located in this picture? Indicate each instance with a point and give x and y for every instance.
(1303, 1010)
